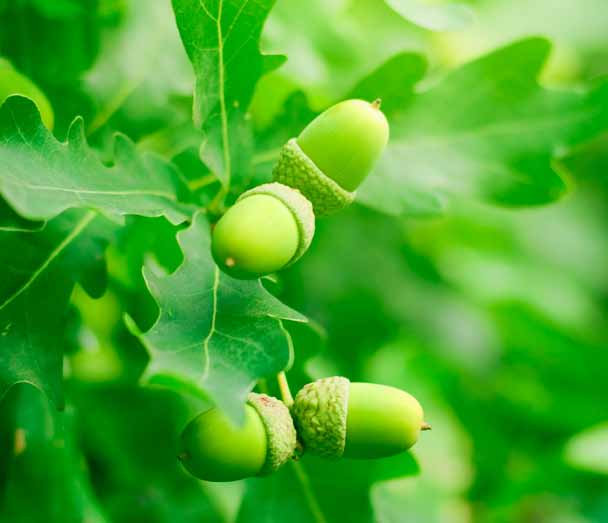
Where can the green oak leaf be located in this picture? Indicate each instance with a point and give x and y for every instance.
(40, 268)
(486, 130)
(221, 38)
(215, 335)
(436, 17)
(43, 464)
(40, 177)
(321, 491)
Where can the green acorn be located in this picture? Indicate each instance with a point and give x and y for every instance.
(267, 229)
(334, 153)
(214, 449)
(336, 418)
(13, 82)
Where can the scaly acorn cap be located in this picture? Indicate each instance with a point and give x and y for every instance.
(320, 411)
(296, 169)
(300, 207)
(334, 153)
(336, 418)
(280, 430)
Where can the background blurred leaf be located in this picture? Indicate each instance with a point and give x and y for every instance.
(496, 145)
(327, 491)
(439, 17)
(45, 464)
(141, 70)
(588, 163)
(589, 449)
(54, 43)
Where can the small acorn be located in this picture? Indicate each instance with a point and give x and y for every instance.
(336, 418)
(334, 153)
(267, 229)
(12, 82)
(214, 449)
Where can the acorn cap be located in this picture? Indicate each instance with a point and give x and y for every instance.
(300, 207)
(280, 430)
(296, 169)
(320, 411)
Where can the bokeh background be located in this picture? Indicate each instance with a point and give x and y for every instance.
(496, 319)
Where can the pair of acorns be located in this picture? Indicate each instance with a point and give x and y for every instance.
(331, 417)
(271, 226)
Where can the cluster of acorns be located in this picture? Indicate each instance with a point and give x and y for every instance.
(332, 418)
(271, 226)
(267, 229)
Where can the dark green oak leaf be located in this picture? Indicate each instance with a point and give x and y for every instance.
(321, 491)
(40, 269)
(47, 479)
(215, 336)
(40, 177)
(221, 38)
(486, 130)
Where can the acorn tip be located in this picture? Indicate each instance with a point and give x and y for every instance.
(377, 103)
(230, 262)
(425, 426)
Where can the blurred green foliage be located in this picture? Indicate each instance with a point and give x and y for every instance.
(450, 281)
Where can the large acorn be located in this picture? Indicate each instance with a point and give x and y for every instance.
(267, 229)
(334, 153)
(336, 418)
(214, 449)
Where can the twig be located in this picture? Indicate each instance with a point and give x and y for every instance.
(284, 389)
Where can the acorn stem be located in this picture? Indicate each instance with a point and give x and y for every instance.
(425, 426)
(284, 388)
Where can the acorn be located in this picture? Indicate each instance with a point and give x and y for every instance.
(214, 449)
(269, 228)
(12, 82)
(334, 153)
(336, 418)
